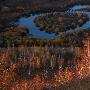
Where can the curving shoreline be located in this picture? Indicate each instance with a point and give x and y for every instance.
(34, 29)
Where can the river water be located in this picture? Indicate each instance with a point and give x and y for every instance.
(35, 31)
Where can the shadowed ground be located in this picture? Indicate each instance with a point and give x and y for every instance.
(83, 84)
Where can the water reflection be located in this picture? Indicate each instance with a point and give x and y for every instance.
(35, 31)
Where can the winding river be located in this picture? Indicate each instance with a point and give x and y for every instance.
(35, 31)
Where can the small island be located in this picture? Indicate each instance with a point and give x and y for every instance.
(60, 22)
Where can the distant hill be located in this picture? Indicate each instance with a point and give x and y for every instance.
(39, 3)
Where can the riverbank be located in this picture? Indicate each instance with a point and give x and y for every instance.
(19, 36)
(74, 38)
